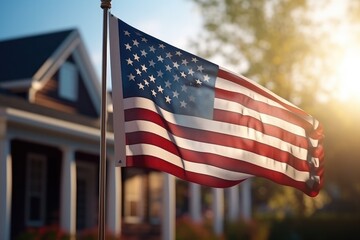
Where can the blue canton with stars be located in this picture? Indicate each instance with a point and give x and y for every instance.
(175, 80)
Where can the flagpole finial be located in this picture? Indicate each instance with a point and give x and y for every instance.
(105, 4)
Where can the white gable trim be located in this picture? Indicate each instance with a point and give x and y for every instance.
(53, 63)
(73, 45)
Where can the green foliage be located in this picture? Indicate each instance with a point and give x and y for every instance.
(54, 233)
(287, 47)
(187, 229)
(43, 233)
(254, 230)
(272, 42)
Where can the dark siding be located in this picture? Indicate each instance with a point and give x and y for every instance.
(19, 151)
(49, 97)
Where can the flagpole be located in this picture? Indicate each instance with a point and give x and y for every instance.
(105, 5)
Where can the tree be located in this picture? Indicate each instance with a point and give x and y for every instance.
(272, 42)
(283, 46)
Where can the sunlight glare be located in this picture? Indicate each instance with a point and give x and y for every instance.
(349, 75)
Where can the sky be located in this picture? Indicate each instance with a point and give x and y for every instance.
(175, 21)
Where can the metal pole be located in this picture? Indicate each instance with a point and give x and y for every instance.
(105, 5)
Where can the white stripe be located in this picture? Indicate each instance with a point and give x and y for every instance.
(155, 151)
(227, 85)
(265, 118)
(216, 126)
(233, 87)
(230, 86)
(146, 126)
(236, 154)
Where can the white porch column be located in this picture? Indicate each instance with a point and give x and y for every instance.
(5, 188)
(114, 199)
(246, 200)
(168, 214)
(233, 203)
(68, 192)
(195, 202)
(218, 210)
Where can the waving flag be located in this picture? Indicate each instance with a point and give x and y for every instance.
(179, 113)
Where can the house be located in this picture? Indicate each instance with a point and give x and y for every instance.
(49, 146)
(49, 142)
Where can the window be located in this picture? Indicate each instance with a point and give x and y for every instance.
(68, 81)
(35, 198)
(134, 199)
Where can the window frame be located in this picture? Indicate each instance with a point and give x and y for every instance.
(29, 193)
(68, 81)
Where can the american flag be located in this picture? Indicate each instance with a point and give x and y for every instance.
(179, 113)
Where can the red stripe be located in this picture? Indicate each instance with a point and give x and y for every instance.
(262, 107)
(211, 181)
(159, 164)
(206, 158)
(270, 130)
(240, 81)
(216, 138)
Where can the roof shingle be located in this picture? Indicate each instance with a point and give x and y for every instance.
(21, 58)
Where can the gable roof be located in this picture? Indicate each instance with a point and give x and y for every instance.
(23, 57)
(28, 63)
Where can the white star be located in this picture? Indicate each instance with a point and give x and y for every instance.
(152, 79)
(131, 77)
(126, 33)
(183, 104)
(160, 89)
(138, 72)
(146, 82)
(143, 68)
(143, 53)
(168, 55)
(200, 68)
(168, 84)
(152, 63)
(160, 73)
(198, 82)
(144, 39)
(183, 74)
(178, 53)
(194, 59)
(136, 57)
(129, 61)
(176, 78)
(153, 92)
(162, 46)
(152, 49)
(135, 43)
(168, 68)
(206, 78)
(184, 88)
(127, 46)
(160, 59)
(167, 99)
(184, 62)
(141, 86)
(191, 72)
(175, 94)
(191, 98)
(176, 65)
